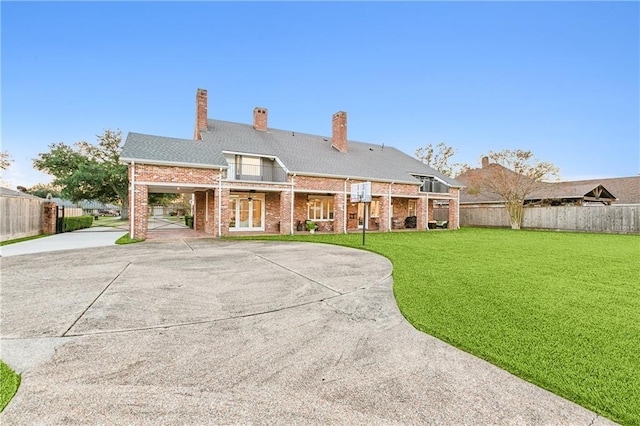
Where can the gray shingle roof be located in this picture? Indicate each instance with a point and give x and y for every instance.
(6, 192)
(300, 153)
(161, 149)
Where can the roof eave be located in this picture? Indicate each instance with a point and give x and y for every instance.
(129, 160)
(351, 177)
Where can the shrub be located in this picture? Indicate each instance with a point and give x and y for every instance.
(79, 222)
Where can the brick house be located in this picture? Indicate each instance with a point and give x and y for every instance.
(257, 179)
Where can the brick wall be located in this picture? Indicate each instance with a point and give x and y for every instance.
(177, 175)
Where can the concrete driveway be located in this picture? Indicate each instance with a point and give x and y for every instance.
(213, 332)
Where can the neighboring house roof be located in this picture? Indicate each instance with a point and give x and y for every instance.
(300, 153)
(618, 190)
(625, 189)
(6, 192)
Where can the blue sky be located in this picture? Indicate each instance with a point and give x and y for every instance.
(558, 78)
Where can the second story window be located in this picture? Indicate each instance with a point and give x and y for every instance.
(248, 166)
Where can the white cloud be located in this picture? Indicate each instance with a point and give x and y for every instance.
(22, 173)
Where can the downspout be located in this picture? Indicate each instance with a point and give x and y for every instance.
(132, 213)
(427, 212)
(220, 203)
(344, 208)
(206, 209)
(458, 208)
(389, 206)
(293, 195)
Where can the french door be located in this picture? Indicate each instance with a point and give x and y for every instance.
(246, 213)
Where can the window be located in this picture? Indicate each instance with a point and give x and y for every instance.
(320, 208)
(374, 208)
(248, 166)
(413, 208)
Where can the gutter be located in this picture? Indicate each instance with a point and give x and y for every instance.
(220, 203)
(132, 213)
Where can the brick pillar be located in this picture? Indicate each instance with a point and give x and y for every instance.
(421, 214)
(454, 220)
(140, 202)
(338, 212)
(285, 212)
(211, 213)
(199, 214)
(221, 201)
(430, 211)
(49, 217)
(384, 214)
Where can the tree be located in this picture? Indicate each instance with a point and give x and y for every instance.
(88, 172)
(440, 159)
(43, 189)
(513, 175)
(5, 160)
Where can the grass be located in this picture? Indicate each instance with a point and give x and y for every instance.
(561, 310)
(19, 240)
(9, 383)
(112, 221)
(126, 239)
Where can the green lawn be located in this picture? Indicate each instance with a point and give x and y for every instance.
(19, 240)
(561, 310)
(9, 382)
(112, 221)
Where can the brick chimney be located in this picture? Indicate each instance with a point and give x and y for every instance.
(485, 162)
(201, 113)
(260, 118)
(339, 135)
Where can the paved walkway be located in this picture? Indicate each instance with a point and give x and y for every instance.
(201, 331)
(83, 238)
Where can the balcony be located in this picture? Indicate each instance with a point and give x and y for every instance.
(432, 185)
(257, 173)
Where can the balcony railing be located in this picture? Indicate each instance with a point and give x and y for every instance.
(434, 186)
(262, 173)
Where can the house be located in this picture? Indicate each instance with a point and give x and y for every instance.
(250, 177)
(568, 193)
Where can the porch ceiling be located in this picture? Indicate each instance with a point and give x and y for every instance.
(178, 189)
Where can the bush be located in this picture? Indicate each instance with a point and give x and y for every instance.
(79, 222)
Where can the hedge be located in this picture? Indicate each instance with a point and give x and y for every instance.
(78, 222)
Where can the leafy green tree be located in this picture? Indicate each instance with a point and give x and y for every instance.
(162, 199)
(439, 158)
(89, 172)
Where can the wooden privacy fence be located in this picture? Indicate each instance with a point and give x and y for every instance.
(624, 219)
(20, 217)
